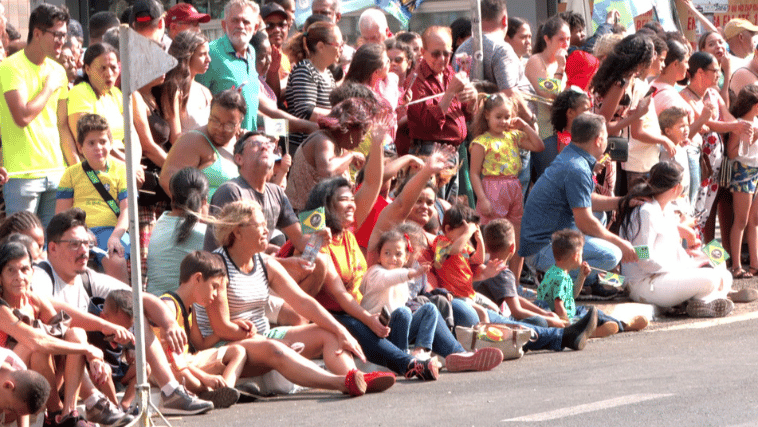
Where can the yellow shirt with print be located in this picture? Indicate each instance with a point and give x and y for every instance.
(76, 185)
(501, 154)
(36, 146)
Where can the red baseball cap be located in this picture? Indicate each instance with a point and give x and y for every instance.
(185, 12)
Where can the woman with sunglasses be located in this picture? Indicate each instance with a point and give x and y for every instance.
(209, 148)
(310, 82)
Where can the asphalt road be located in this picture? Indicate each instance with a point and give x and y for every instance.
(701, 373)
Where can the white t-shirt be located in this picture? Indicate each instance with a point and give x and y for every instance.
(74, 294)
(643, 156)
(9, 357)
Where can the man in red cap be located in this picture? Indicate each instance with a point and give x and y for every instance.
(184, 16)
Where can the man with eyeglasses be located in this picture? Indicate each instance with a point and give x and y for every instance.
(33, 126)
(441, 119)
(68, 250)
(254, 154)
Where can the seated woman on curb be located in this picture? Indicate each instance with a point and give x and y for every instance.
(671, 276)
(238, 313)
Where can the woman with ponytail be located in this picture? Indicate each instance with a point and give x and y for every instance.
(178, 231)
(310, 83)
(670, 276)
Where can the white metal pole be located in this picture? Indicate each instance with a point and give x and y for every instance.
(142, 387)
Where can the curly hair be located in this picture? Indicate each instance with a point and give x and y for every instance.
(352, 113)
(19, 222)
(630, 54)
(565, 101)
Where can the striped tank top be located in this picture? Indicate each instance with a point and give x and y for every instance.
(247, 295)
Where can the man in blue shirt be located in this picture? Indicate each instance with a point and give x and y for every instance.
(563, 197)
(233, 59)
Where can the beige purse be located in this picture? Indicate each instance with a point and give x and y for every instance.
(510, 339)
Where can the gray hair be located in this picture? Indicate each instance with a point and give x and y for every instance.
(243, 4)
(586, 127)
(371, 18)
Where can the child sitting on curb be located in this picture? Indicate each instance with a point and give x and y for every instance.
(557, 291)
(500, 243)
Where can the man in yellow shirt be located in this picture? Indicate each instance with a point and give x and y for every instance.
(33, 116)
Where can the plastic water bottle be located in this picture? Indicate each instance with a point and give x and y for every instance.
(312, 248)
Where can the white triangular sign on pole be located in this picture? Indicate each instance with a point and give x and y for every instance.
(147, 61)
(142, 61)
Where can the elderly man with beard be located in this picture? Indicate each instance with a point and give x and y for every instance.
(233, 59)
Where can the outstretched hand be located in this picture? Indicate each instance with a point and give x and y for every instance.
(443, 155)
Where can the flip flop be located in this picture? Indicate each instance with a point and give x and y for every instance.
(741, 274)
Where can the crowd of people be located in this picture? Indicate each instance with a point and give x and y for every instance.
(407, 200)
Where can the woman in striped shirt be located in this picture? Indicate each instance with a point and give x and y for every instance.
(238, 313)
(310, 82)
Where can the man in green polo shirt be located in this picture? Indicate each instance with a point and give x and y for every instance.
(233, 59)
(33, 115)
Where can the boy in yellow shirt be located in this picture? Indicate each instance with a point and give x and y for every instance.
(97, 185)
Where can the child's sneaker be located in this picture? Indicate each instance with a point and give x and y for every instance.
(181, 402)
(223, 397)
(425, 371)
(482, 359)
(378, 381)
(355, 383)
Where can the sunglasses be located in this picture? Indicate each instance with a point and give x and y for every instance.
(437, 53)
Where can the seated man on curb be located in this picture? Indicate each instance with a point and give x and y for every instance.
(60, 278)
(22, 392)
(211, 374)
(564, 197)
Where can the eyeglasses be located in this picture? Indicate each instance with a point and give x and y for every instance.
(437, 53)
(57, 35)
(337, 45)
(272, 25)
(76, 244)
(228, 127)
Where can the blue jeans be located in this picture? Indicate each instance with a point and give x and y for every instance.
(581, 311)
(525, 176)
(36, 195)
(598, 253)
(425, 327)
(377, 350)
(547, 338)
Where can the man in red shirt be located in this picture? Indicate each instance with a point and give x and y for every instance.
(441, 119)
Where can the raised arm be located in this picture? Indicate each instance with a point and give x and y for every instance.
(366, 196)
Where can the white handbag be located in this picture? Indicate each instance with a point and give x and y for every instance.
(510, 339)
